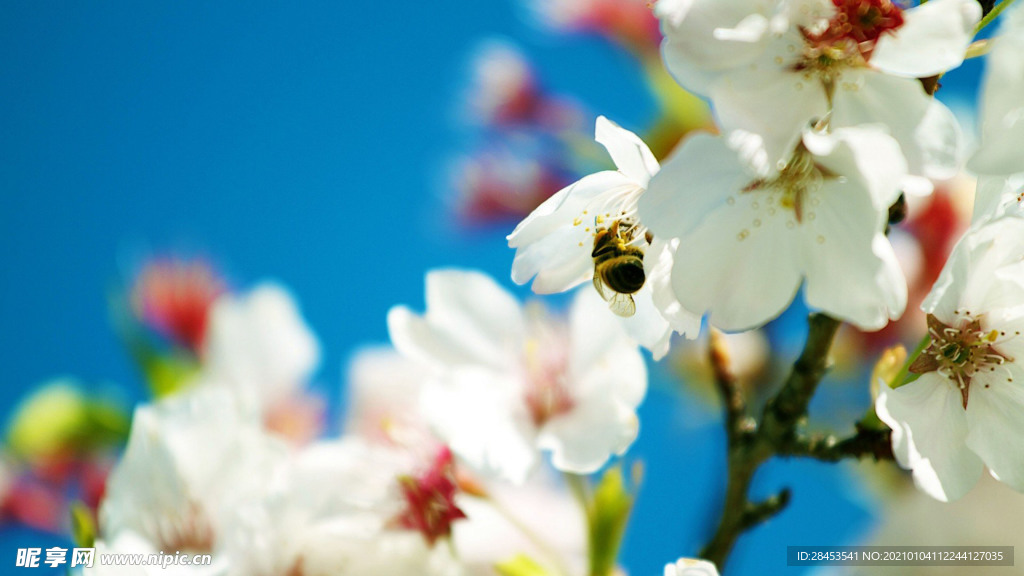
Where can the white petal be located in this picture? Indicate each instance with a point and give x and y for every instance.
(741, 264)
(631, 156)
(594, 331)
(851, 269)
(1002, 109)
(695, 180)
(567, 204)
(866, 156)
(658, 262)
(933, 39)
(259, 344)
(647, 326)
(698, 47)
(553, 244)
(558, 262)
(997, 195)
(474, 305)
(926, 129)
(929, 429)
(742, 99)
(975, 275)
(583, 439)
(691, 567)
(475, 412)
(995, 419)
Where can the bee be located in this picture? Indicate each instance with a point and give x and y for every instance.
(618, 268)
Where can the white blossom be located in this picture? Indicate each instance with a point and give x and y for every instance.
(966, 409)
(508, 382)
(258, 345)
(691, 567)
(772, 67)
(554, 244)
(189, 460)
(332, 511)
(748, 238)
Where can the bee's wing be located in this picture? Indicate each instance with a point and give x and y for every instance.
(606, 293)
(622, 304)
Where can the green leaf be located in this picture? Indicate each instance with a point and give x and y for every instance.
(608, 514)
(520, 565)
(83, 526)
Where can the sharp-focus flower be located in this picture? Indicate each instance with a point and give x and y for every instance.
(342, 508)
(189, 460)
(773, 67)
(556, 244)
(1002, 127)
(259, 345)
(967, 407)
(508, 382)
(173, 297)
(748, 238)
(691, 567)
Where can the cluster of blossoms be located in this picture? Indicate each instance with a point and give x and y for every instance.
(439, 468)
(828, 124)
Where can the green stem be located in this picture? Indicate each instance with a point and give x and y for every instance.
(901, 376)
(991, 16)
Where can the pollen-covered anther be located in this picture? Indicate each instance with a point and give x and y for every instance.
(960, 352)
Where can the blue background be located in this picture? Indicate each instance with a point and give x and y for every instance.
(305, 142)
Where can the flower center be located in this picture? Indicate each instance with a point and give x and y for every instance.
(793, 187)
(546, 359)
(849, 38)
(962, 351)
(430, 499)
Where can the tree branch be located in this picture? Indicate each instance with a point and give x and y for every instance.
(748, 450)
(828, 448)
(732, 395)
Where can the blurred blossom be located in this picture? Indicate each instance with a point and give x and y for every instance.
(173, 296)
(988, 516)
(495, 529)
(334, 509)
(299, 418)
(259, 345)
(505, 92)
(691, 567)
(383, 393)
(629, 23)
(505, 182)
(190, 459)
(748, 357)
(507, 383)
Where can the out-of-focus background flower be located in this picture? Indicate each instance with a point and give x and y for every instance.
(156, 155)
